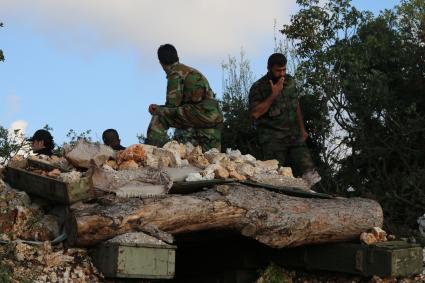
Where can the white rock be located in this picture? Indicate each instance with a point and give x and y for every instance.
(84, 154)
(72, 177)
(268, 166)
(174, 156)
(234, 154)
(248, 158)
(192, 177)
(286, 172)
(245, 169)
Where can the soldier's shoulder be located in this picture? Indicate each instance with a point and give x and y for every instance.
(260, 83)
(180, 70)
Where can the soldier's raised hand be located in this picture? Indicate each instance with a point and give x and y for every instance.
(277, 87)
(152, 108)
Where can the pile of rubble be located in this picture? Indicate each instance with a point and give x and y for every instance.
(26, 252)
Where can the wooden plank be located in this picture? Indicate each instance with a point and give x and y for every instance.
(49, 188)
(388, 259)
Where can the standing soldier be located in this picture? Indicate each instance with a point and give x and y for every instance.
(274, 107)
(190, 106)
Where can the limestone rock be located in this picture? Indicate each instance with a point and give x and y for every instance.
(172, 156)
(233, 154)
(134, 153)
(245, 169)
(379, 234)
(268, 166)
(129, 164)
(71, 177)
(286, 172)
(248, 158)
(368, 238)
(196, 158)
(234, 174)
(221, 173)
(189, 148)
(54, 173)
(216, 157)
(84, 154)
(152, 160)
(176, 148)
(193, 177)
(18, 161)
(112, 163)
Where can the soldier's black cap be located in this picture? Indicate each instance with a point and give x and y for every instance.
(41, 135)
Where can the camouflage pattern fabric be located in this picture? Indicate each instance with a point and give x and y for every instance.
(190, 103)
(278, 131)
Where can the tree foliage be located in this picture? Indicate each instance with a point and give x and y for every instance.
(238, 131)
(368, 74)
(1, 52)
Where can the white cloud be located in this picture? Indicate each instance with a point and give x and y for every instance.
(20, 125)
(198, 28)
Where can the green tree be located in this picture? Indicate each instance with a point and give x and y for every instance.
(1, 52)
(369, 73)
(238, 132)
(11, 143)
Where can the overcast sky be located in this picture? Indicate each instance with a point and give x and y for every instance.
(91, 64)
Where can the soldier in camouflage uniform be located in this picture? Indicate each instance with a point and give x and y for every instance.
(274, 107)
(190, 106)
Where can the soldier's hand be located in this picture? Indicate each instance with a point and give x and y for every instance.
(277, 87)
(152, 108)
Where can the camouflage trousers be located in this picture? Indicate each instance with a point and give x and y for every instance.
(194, 123)
(289, 152)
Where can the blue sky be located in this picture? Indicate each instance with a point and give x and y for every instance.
(91, 64)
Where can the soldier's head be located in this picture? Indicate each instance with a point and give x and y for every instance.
(276, 65)
(111, 138)
(167, 54)
(42, 139)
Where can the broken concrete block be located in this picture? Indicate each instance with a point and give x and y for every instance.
(286, 172)
(245, 169)
(85, 154)
(129, 164)
(135, 152)
(221, 173)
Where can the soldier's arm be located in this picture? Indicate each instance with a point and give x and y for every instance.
(300, 120)
(262, 107)
(174, 91)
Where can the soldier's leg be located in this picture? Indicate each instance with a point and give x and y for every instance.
(158, 127)
(300, 159)
(276, 150)
(209, 138)
(302, 164)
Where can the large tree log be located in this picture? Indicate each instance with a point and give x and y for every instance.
(274, 219)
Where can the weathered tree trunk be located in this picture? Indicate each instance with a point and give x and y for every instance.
(274, 219)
